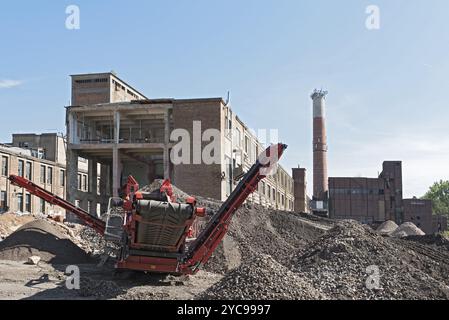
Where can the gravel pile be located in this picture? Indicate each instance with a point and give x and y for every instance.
(156, 185)
(44, 239)
(255, 229)
(340, 264)
(407, 229)
(387, 228)
(262, 278)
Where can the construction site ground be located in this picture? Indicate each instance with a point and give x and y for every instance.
(266, 255)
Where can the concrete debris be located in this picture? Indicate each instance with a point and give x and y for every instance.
(262, 278)
(387, 228)
(34, 260)
(256, 229)
(407, 229)
(351, 261)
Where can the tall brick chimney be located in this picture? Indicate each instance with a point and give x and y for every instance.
(320, 182)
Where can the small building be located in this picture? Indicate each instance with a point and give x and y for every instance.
(41, 159)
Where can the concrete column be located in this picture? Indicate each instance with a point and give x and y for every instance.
(72, 128)
(93, 174)
(166, 145)
(116, 172)
(71, 180)
(116, 127)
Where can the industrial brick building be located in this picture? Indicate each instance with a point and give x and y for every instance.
(42, 160)
(375, 200)
(130, 134)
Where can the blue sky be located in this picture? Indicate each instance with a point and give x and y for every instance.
(387, 88)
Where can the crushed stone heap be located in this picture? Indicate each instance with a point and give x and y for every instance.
(262, 278)
(337, 266)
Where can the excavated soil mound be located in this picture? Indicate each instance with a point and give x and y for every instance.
(407, 229)
(349, 259)
(10, 222)
(44, 239)
(387, 228)
(261, 278)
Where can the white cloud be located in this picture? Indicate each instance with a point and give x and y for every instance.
(7, 84)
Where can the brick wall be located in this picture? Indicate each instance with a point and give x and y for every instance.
(186, 175)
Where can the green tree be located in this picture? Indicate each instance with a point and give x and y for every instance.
(439, 194)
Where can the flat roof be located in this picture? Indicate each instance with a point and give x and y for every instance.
(108, 74)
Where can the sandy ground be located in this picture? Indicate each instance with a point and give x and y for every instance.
(45, 282)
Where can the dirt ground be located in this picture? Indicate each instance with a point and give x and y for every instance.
(48, 282)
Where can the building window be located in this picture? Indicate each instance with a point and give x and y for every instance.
(98, 186)
(42, 203)
(20, 168)
(84, 183)
(79, 182)
(43, 174)
(3, 202)
(62, 178)
(77, 203)
(28, 171)
(89, 206)
(50, 176)
(5, 166)
(20, 202)
(269, 192)
(238, 137)
(28, 202)
(246, 144)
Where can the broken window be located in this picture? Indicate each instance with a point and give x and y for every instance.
(62, 178)
(20, 202)
(27, 202)
(28, 171)
(3, 202)
(79, 182)
(42, 203)
(43, 174)
(5, 166)
(20, 168)
(84, 183)
(50, 176)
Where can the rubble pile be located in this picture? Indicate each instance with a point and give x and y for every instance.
(351, 261)
(256, 229)
(262, 278)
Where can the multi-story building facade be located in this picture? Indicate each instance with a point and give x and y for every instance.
(40, 159)
(140, 138)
